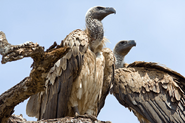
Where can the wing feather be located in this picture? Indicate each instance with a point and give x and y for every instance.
(151, 91)
(53, 102)
(34, 105)
(108, 76)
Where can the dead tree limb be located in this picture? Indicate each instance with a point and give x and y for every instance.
(20, 119)
(43, 61)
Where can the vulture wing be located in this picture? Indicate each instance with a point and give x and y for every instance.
(108, 75)
(154, 93)
(52, 103)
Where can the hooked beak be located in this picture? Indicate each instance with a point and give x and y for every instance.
(110, 10)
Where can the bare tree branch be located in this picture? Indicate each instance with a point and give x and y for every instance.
(16, 52)
(20, 119)
(43, 61)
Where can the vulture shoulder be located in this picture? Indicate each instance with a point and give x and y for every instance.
(44, 105)
(154, 93)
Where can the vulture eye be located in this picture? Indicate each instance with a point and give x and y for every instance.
(100, 8)
(123, 42)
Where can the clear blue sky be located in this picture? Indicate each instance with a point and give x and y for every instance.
(158, 27)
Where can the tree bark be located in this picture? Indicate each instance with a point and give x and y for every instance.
(43, 62)
(20, 119)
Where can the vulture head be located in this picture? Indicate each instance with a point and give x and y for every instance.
(123, 47)
(121, 50)
(99, 12)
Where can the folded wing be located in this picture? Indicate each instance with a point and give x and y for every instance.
(53, 102)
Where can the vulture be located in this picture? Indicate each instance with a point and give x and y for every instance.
(79, 82)
(153, 92)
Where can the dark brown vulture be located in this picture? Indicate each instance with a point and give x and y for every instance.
(80, 81)
(154, 93)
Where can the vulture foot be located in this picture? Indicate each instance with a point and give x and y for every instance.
(92, 117)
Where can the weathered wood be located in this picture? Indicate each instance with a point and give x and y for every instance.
(20, 119)
(43, 61)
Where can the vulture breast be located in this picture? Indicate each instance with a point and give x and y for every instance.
(86, 90)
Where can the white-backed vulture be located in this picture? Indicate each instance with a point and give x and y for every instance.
(80, 81)
(154, 93)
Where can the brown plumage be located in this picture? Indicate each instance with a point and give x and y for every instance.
(74, 84)
(154, 93)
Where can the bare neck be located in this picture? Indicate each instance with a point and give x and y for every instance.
(95, 31)
(119, 61)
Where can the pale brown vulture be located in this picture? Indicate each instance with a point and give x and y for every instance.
(154, 93)
(80, 81)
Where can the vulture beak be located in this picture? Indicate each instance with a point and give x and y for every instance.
(132, 42)
(110, 10)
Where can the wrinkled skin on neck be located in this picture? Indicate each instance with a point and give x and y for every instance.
(95, 32)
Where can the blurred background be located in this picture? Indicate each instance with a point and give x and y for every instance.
(158, 27)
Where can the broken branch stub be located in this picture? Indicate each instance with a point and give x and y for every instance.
(16, 52)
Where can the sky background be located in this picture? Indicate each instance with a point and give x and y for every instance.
(158, 27)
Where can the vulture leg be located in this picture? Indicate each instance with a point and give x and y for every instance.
(76, 111)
